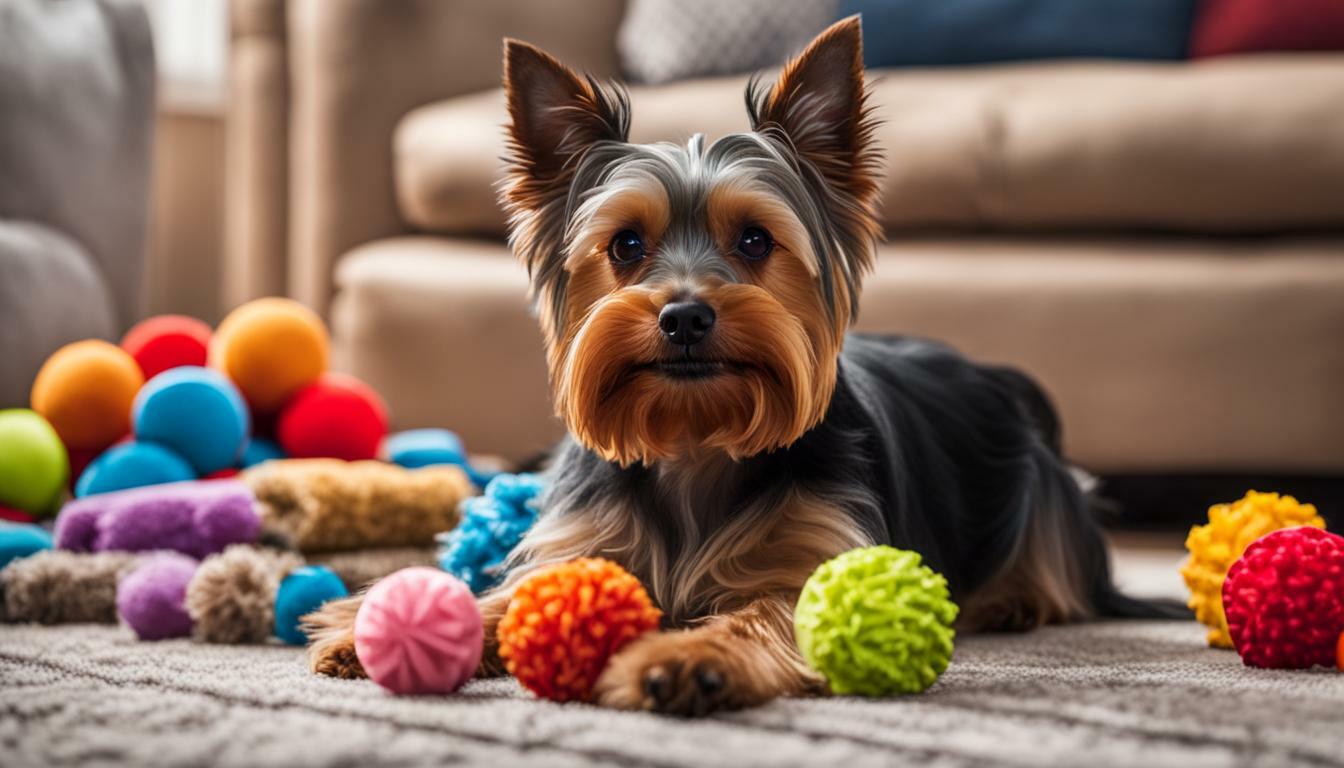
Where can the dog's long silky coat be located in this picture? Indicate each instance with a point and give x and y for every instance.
(727, 433)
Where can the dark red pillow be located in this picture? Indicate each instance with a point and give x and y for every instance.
(1245, 26)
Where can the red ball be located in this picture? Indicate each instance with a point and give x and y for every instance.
(9, 514)
(222, 474)
(167, 341)
(336, 416)
(1284, 599)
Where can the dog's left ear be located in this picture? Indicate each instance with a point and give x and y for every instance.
(819, 104)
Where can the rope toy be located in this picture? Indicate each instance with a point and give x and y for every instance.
(492, 525)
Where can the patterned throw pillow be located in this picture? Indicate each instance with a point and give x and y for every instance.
(664, 40)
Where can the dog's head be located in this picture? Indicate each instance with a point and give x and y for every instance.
(693, 297)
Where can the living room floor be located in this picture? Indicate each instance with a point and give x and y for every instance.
(1103, 694)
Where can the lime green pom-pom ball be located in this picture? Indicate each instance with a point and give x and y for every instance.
(33, 462)
(876, 622)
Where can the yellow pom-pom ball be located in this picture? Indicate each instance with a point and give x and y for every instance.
(270, 348)
(1216, 546)
(85, 390)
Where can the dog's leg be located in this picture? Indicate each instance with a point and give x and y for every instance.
(733, 660)
(331, 638)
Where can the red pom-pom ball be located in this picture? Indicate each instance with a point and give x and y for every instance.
(1284, 599)
(167, 341)
(565, 621)
(337, 416)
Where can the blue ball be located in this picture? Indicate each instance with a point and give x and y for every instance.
(303, 591)
(131, 465)
(416, 448)
(196, 412)
(260, 449)
(18, 541)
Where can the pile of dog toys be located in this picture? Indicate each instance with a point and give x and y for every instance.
(1268, 580)
(224, 482)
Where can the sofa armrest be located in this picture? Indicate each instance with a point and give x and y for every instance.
(354, 68)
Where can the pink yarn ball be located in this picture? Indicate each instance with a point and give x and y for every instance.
(419, 632)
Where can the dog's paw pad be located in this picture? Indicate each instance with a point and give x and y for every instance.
(672, 673)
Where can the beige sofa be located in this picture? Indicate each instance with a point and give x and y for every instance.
(1162, 245)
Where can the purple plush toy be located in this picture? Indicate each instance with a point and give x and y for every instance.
(196, 518)
(152, 598)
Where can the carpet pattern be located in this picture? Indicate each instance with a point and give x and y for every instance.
(1108, 694)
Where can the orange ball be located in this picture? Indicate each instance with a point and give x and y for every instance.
(270, 348)
(85, 391)
(565, 621)
(1339, 652)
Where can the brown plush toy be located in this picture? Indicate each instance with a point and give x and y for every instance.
(327, 505)
(61, 587)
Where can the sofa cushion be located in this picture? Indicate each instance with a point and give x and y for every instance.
(1235, 144)
(1143, 342)
(665, 40)
(1245, 26)
(915, 33)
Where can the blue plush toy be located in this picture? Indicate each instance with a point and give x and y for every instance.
(18, 541)
(132, 465)
(260, 449)
(303, 591)
(491, 526)
(417, 448)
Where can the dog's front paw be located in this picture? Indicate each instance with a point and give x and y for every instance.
(336, 659)
(676, 673)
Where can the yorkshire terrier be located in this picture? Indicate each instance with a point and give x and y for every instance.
(727, 435)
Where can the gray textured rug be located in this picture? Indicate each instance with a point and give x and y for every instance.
(1098, 695)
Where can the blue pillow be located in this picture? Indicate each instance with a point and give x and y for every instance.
(931, 33)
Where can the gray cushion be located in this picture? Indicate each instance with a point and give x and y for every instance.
(664, 40)
(50, 295)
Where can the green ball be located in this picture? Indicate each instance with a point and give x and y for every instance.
(876, 622)
(33, 462)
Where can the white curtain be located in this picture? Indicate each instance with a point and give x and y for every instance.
(191, 41)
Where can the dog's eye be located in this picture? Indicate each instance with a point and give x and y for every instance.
(626, 247)
(755, 244)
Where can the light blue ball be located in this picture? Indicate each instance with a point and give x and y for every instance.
(303, 591)
(18, 541)
(132, 465)
(416, 448)
(260, 449)
(196, 412)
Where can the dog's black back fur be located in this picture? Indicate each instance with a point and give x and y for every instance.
(925, 450)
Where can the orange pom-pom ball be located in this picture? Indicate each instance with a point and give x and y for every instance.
(270, 348)
(85, 391)
(167, 341)
(565, 621)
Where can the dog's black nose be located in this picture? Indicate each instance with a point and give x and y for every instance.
(686, 322)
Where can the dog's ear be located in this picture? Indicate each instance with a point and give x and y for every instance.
(819, 104)
(554, 115)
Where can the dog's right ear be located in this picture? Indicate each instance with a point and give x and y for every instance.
(554, 116)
